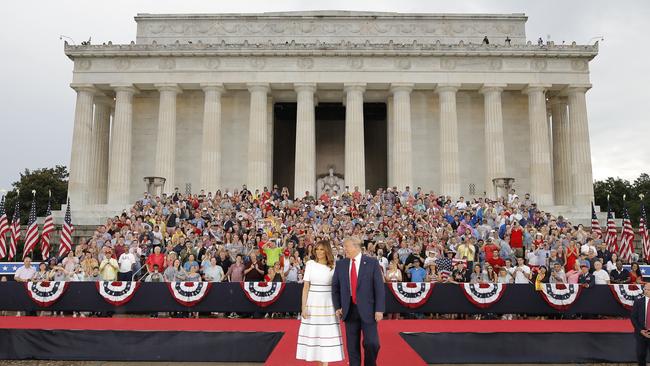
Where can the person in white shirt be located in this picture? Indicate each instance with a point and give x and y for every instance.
(126, 262)
(601, 276)
(522, 272)
(557, 274)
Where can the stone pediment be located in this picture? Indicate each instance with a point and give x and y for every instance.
(329, 26)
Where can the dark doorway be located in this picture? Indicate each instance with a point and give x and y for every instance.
(330, 142)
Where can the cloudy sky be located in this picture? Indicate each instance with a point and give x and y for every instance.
(37, 106)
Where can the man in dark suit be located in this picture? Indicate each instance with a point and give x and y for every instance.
(358, 294)
(641, 323)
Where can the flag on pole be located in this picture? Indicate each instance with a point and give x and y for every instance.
(610, 237)
(595, 225)
(65, 245)
(15, 230)
(31, 239)
(48, 229)
(627, 238)
(4, 228)
(645, 238)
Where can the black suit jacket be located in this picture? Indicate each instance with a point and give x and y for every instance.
(637, 316)
(370, 288)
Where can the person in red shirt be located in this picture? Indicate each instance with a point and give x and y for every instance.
(325, 197)
(489, 250)
(496, 261)
(156, 258)
(356, 195)
(517, 239)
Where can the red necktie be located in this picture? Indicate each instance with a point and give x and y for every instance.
(647, 316)
(353, 282)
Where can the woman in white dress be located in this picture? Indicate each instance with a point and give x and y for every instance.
(319, 337)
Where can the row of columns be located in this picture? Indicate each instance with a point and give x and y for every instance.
(560, 172)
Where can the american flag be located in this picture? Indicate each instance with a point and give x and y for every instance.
(645, 237)
(65, 245)
(15, 231)
(610, 238)
(31, 239)
(595, 225)
(48, 229)
(627, 238)
(4, 228)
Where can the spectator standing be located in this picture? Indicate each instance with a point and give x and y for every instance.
(415, 272)
(236, 271)
(126, 262)
(619, 275)
(601, 277)
(522, 272)
(213, 272)
(108, 268)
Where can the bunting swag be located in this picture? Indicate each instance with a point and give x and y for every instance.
(560, 296)
(45, 293)
(117, 292)
(189, 293)
(626, 294)
(411, 294)
(262, 294)
(483, 295)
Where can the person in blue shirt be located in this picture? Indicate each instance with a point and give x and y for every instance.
(416, 272)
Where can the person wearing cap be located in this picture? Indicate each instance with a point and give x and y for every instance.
(586, 279)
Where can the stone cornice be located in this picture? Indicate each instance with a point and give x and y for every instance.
(330, 49)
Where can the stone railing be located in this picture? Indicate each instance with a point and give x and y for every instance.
(341, 48)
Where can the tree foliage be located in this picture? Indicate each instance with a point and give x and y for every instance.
(42, 181)
(616, 188)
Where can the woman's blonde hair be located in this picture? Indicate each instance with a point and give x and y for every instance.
(327, 247)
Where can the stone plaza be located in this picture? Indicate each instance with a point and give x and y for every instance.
(214, 101)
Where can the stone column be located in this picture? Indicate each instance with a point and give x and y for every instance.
(258, 160)
(355, 158)
(165, 163)
(541, 183)
(561, 151)
(495, 157)
(99, 153)
(211, 144)
(449, 158)
(582, 179)
(305, 167)
(402, 149)
(80, 159)
(390, 126)
(269, 149)
(119, 164)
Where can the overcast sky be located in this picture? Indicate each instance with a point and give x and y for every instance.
(37, 105)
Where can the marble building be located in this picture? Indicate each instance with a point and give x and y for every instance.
(210, 101)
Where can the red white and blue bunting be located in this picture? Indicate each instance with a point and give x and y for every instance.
(626, 294)
(46, 293)
(411, 294)
(189, 293)
(560, 296)
(262, 294)
(483, 295)
(117, 292)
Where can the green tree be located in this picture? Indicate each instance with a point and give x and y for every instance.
(42, 181)
(616, 188)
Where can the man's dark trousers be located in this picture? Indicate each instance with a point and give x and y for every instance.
(353, 328)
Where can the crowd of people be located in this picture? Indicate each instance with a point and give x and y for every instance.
(269, 236)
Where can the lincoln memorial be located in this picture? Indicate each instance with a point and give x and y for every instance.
(214, 101)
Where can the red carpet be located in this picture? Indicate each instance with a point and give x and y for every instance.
(394, 350)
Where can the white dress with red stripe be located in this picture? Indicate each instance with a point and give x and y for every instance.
(319, 337)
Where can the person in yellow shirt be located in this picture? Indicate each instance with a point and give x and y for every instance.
(466, 250)
(109, 267)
